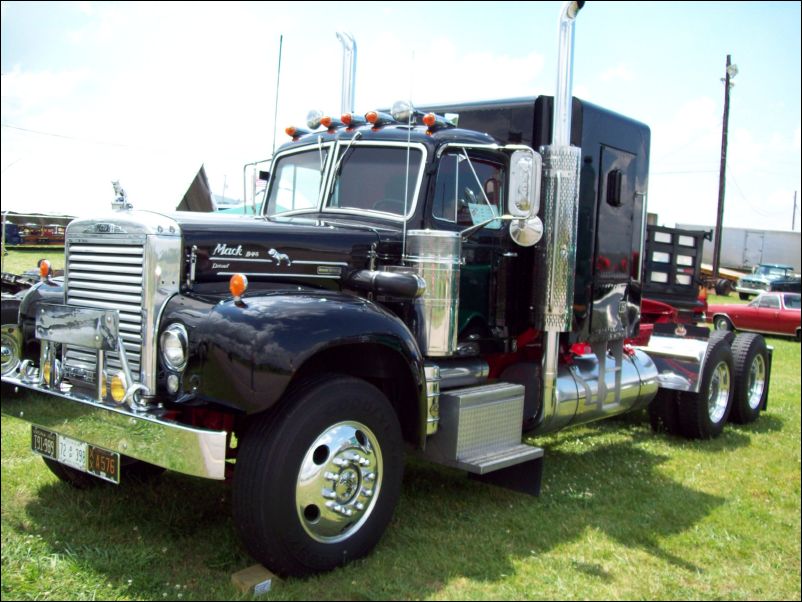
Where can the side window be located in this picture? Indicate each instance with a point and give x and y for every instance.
(296, 182)
(468, 190)
(771, 302)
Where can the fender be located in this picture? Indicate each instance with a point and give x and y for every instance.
(246, 353)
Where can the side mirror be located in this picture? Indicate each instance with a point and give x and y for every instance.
(523, 202)
(525, 168)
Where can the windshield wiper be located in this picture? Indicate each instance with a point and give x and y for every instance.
(340, 161)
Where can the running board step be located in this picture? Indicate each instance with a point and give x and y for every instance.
(505, 458)
(480, 429)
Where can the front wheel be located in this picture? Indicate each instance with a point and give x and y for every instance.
(316, 484)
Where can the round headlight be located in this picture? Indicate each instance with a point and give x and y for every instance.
(174, 347)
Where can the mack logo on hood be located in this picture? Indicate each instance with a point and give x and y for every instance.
(224, 249)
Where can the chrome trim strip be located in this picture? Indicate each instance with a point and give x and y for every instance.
(432, 373)
(294, 261)
(313, 262)
(282, 275)
(188, 450)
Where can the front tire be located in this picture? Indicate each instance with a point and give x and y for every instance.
(316, 484)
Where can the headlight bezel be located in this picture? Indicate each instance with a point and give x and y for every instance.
(174, 339)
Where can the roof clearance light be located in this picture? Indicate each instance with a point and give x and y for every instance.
(435, 122)
(295, 132)
(378, 118)
(238, 285)
(331, 122)
(313, 118)
(353, 120)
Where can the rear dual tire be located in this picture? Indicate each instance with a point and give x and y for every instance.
(751, 363)
(703, 415)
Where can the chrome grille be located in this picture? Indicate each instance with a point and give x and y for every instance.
(108, 276)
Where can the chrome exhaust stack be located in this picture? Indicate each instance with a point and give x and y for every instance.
(349, 72)
(561, 165)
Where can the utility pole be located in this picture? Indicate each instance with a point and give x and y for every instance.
(793, 217)
(731, 72)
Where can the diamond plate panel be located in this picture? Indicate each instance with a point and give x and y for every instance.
(561, 199)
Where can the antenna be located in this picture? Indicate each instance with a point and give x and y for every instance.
(409, 143)
(278, 80)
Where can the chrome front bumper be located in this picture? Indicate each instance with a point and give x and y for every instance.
(141, 435)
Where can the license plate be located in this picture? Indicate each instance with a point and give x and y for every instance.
(79, 455)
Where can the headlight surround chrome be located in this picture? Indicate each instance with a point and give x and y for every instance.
(173, 344)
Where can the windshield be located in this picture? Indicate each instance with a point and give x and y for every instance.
(765, 270)
(373, 178)
(296, 181)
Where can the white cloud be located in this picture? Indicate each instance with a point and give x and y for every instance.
(618, 73)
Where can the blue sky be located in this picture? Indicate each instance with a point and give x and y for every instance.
(145, 93)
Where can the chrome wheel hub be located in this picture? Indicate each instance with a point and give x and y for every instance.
(339, 482)
(719, 392)
(757, 381)
(10, 349)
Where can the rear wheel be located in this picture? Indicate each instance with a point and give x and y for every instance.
(743, 296)
(723, 287)
(702, 415)
(750, 362)
(316, 484)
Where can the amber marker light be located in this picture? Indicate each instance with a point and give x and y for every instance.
(290, 131)
(117, 389)
(372, 116)
(44, 269)
(429, 119)
(238, 285)
(346, 119)
(325, 121)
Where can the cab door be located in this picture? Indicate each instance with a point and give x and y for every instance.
(468, 189)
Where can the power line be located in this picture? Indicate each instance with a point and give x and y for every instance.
(54, 135)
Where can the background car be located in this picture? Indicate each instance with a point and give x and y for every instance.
(761, 278)
(770, 313)
(790, 285)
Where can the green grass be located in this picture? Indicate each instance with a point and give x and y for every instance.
(624, 514)
(18, 260)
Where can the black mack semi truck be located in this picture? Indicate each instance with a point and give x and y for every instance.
(408, 286)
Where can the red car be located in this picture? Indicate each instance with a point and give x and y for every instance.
(770, 313)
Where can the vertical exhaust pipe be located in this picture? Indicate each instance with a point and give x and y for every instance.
(561, 134)
(349, 72)
(561, 163)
